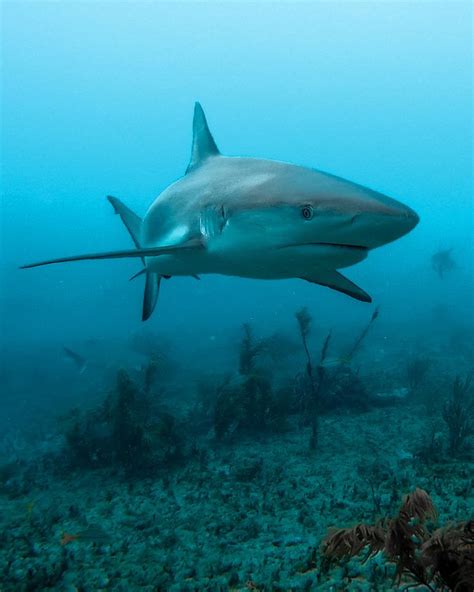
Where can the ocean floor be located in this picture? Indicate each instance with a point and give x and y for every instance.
(242, 515)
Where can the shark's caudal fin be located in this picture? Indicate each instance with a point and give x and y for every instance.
(336, 281)
(203, 143)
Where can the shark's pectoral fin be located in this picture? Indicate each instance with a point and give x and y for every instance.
(191, 244)
(150, 296)
(336, 281)
(203, 142)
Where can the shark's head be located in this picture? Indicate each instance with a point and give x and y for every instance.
(298, 207)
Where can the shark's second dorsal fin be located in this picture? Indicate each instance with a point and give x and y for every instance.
(203, 142)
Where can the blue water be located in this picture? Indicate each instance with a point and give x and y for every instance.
(97, 99)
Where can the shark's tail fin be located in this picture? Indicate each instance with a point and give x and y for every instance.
(133, 224)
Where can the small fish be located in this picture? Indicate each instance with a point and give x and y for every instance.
(92, 534)
(68, 538)
(335, 362)
(80, 361)
(442, 261)
(288, 542)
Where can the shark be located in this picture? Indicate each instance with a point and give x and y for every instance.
(255, 218)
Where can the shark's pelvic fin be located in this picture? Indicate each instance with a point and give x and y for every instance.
(150, 296)
(336, 281)
(133, 223)
(138, 274)
(203, 143)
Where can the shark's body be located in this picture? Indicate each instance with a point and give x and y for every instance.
(257, 218)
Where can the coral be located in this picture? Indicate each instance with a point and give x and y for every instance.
(356, 346)
(449, 552)
(326, 389)
(458, 413)
(430, 449)
(248, 403)
(250, 349)
(128, 417)
(443, 559)
(416, 371)
(344, 389)
(126, 430)
(312, 389)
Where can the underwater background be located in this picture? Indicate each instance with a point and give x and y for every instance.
(176, 454)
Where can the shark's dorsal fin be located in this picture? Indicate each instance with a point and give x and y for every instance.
(203, 143)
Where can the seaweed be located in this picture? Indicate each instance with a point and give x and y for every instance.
(304, 320)
(449, 552)
(458, 414)
(128, 419)
(250, 349)
(248, 402)
(359, 340)
(126, 430)
(443, 559)
(327, 388)
(417, 369)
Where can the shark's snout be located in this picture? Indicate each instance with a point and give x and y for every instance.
(380, 228)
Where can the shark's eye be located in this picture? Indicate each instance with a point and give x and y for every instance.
(307, 212)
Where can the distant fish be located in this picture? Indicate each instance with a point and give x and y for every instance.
(92, 534)
(442, 262)
(335, 362)
(78, 360)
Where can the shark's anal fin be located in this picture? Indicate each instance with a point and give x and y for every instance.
(336, 281)
(150, 296)
(203, 142)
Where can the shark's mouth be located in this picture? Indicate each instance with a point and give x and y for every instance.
(342, 246)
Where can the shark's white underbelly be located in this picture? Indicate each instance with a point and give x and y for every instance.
(290, 262)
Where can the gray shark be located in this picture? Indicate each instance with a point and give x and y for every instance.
(256, 218)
